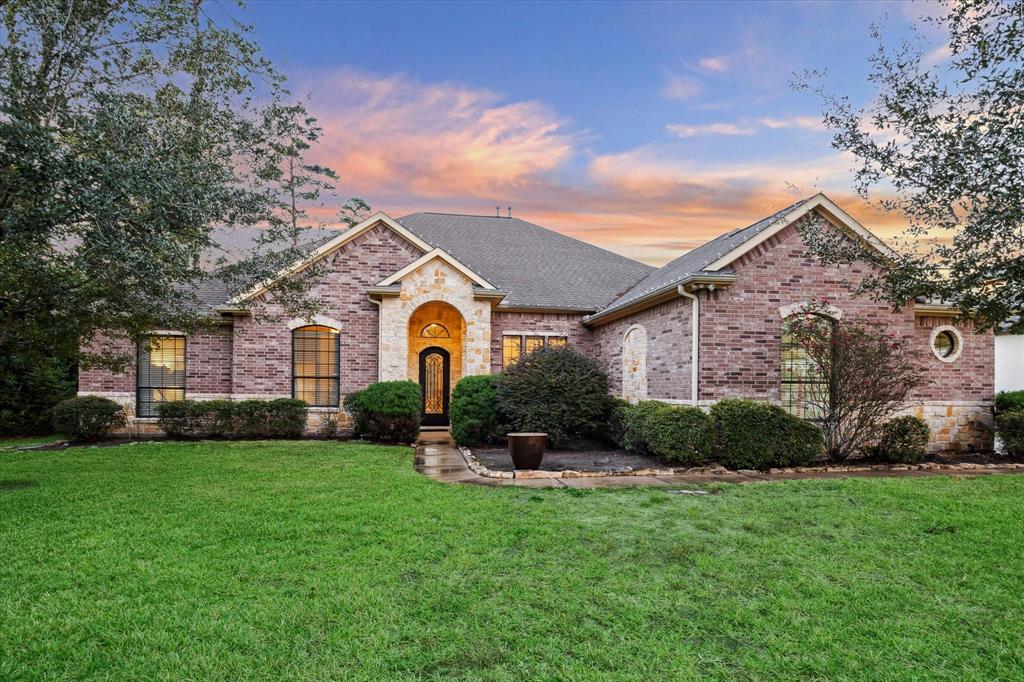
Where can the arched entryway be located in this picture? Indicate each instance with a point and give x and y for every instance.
(436, 334)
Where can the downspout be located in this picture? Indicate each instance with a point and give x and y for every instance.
(694, 345)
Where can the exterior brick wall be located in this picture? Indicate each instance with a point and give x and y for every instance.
(668, 327)
(562, 324)
(262, 357)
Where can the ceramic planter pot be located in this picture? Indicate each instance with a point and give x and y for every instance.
(527, 449)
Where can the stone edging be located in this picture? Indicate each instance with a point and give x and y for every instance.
(719, 470)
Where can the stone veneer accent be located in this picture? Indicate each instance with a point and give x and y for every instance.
(434, 281)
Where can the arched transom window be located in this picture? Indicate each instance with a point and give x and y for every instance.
(805, 390)
(435, 331)
(315, 366)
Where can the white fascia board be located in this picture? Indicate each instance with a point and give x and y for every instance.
(429, 256)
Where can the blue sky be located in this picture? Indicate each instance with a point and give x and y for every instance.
(645, 128)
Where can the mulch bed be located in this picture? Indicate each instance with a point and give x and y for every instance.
(588, 459)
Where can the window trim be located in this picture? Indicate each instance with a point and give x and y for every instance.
(139, 388)
(522, 336)
(336, 333)
(958, 343)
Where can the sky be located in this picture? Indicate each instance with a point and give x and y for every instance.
(644, 128)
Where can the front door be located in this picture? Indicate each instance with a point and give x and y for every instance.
(435, 364)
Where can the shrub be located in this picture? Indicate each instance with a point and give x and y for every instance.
(474, 410)
(30, 387)
(279, 418)
(88, 418)
(756, 435)
(904, 440)
(558, 391)
(676, 434)
(621, 416)
(1009, 400)
(387, 411)
(1010, 429)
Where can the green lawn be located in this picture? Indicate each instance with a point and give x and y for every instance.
(14, 443)
(309, 560)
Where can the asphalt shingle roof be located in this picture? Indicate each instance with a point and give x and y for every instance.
(537, 267)
(694, 262)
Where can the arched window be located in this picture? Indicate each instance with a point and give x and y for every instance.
(435, 331)
(805, 389)
(315, 367)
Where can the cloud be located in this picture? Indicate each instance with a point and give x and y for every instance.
(383, 133)
(804, 122)
(680, 87)
(684, 130)
(714, 64)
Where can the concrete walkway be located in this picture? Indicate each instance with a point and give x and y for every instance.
(438, 458)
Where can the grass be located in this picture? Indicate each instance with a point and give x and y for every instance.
(309, 560)
(22, 441)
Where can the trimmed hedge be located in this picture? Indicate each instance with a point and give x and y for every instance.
(756, 435)
(474, 410)
(278, 418)
(683, 435)
(1010, 429)
(88, 418)
(557, 391)
(904, 440)
(1007, 401)
(387, 411)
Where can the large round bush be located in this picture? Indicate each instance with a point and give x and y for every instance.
(474, 410)
(557, 391)
(678, 434)
(757, 435)
(387, 411)
(88, 418)
(904, 439)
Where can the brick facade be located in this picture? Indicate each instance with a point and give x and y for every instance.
(740, 335)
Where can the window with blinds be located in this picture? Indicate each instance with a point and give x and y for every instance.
(315, 365)
(517, 345)
(161, 373)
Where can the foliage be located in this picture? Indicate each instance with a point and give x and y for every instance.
(474, 410)
(620, 419)
(128, 130)
(868, 373)
(942, 142)
(557, 391)
(1010, 429)
(1009, 400)
(87, 418)
(904, 440)
(387, 411)
(756, 435)
(677, 434)
(31, 384)
(278, 418)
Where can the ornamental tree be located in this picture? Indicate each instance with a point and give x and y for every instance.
(854, 373)
(942, 142)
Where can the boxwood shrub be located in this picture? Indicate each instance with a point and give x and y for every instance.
(904, 440)
(558, 391)
(474, 410)
(387, 411)
(1009, 400)
(278, 418)
(683, 435)
(755, 435)
(1010, 429)
(87, 418)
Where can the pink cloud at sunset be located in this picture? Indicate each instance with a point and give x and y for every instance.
(407, 146)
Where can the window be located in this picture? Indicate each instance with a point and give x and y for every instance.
(161, 373)
(435, 331)
(946, 343)
(315, 367)
(804, 389)
(515, 346)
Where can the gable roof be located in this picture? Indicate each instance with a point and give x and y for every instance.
(396, 277)
(712, 259)
(539, 268)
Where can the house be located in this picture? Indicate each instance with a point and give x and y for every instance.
(434, 297)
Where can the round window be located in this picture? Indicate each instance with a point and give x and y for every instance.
(946, 344)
